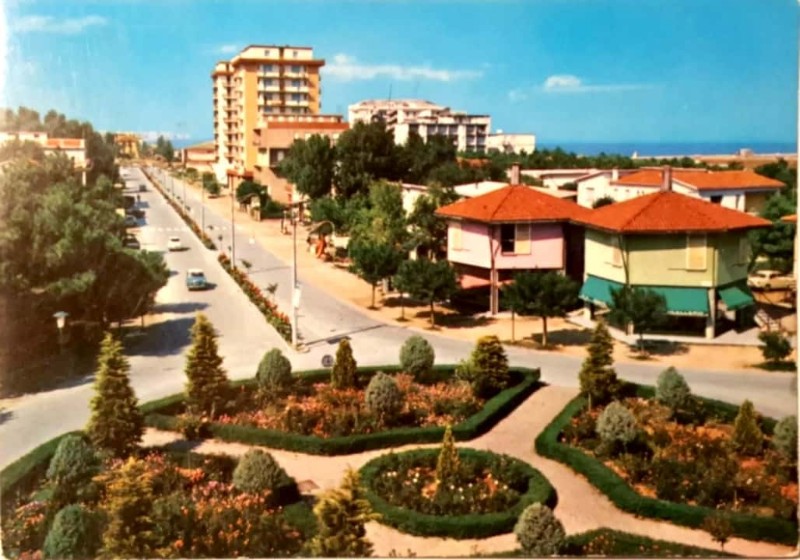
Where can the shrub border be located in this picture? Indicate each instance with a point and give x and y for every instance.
(204, 238)
(160, 414)
(475, 525)
(625, 498)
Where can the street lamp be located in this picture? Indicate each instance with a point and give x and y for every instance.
(295, 290)
(61, 320)
(233, 230)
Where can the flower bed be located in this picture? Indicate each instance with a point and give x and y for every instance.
(182, 213)
(682, 463)
(426, 410)
(279, 321)
(194, 510)
(483, 499)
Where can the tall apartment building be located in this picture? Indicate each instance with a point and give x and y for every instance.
(404, 116)
(262, 80)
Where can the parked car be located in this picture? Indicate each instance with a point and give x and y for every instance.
(131, 242)
(770, 280)
(135, 212)
(175, 244)
(196, 279)
(142, 188)
(130, 221)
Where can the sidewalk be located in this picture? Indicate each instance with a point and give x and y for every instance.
(335, 280)
(580, 507)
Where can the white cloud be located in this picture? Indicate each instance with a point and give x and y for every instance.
(49, 24)
(152, 135)
(569, 83)
(228, 49)
(347, 68)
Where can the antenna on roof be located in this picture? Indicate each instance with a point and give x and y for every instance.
(390, 92)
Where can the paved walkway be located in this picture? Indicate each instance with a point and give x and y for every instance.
(580, 508)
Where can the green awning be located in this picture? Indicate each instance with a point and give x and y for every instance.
(598, 290)
(680, 301)
(736, 296)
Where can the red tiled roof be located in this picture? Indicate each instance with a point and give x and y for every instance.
(514, 203)
(667, 211)
(64, 143)
(703, 180)
(791, 219)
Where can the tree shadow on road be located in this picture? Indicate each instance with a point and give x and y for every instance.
(181, 307)
(162, 339)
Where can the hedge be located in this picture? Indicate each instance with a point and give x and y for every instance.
(475, 526)
(161, 415)
(625, 498)
(624, 544)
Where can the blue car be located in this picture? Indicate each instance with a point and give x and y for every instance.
(195, 279)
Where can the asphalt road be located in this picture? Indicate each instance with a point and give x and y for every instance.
(157, 358)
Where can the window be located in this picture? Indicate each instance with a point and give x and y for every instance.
(515, 239)
(267, 52)
(744, 250)
(296, 69)
(616, 252)
(696, 251)
(455, 236)
(295, 83)
(294, 54)
(716, 199)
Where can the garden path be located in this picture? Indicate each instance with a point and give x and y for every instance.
(581, 507)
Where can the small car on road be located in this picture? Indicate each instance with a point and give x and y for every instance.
(196, 279)
(175, 244)
(142, 188)
(130, 221)
(770, 280)
(130, 242)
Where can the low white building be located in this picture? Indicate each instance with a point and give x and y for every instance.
(745, 191)
(471, 190)
(556, 178)
(404, 116)
(505, 143)
(595, 186)
(73, 148)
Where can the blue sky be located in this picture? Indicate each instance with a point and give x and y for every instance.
(566, 70)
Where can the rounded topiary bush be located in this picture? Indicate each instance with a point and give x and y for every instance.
(383, 397)
(75, 533)
(258, 472)
(617, 424)
(489, 367)
(72, 468)
(672, 389)
(784, 437)
(417, 356)
(539, 532)
(274, 371)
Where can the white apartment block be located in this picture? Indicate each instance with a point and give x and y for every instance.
(404, 116)
(505, 143)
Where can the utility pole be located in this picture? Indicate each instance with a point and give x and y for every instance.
(203, 207)
(233, 230)
(295, 302)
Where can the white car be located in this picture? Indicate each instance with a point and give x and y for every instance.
(175, 244)
(770, 280)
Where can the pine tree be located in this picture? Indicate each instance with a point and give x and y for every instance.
(343, 374)
(747, 436)
(491, 365)
(598, 380)
(116, 424)
(449, 463)
(342, 514)
(207, 386)
(128, 506)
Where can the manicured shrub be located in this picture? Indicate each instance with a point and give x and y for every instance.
(75, 533)
(776, 347)
(383, 397)
(193, 426)
(71, 470)
(342, 514)
(784, 437)
(490, 367)
(616, 424)
(257, 472)
(416, 356)
(274, 372)
(448, 464)
(747, 436)
(539, 532)
(598, 380)
(343, 374)
(207, 384)
(116, 424)
(672, 390)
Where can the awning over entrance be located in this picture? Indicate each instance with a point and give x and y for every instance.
(680, 301)
(736, 296)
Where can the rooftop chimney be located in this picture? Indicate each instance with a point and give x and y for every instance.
(515, 173)
(666, 178)
(615, 174)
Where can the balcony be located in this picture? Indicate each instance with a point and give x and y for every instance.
(274, 102)
(295, 89)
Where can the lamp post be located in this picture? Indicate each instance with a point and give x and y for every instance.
(61, 320)
(295, 291)
(233, 230)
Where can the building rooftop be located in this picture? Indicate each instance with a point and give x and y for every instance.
(703, 180)
(669, 212)
(396, 104)
(514, 203)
